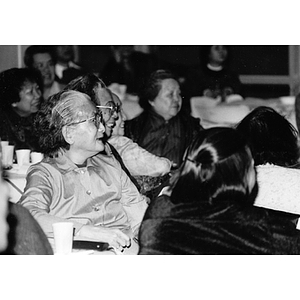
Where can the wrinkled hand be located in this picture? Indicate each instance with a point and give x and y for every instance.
(114, 237)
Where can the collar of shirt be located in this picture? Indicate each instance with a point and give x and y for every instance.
(157, 121)
(65, 164)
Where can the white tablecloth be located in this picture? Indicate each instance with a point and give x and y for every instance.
(212, 113)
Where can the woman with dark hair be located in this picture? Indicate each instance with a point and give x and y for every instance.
(20, 98)
(273, 141)
(272, 138)
(208, 206)
(213, 78)
(163, 128)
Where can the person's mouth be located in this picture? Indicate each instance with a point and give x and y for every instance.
(100, 135)
(111, 125)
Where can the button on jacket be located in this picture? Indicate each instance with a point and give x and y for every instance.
(99, 194)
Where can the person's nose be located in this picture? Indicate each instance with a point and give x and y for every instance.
(45, 68)
(123, 115)
(177, 98)
(101, 127)
(115, 115)
(37, 93)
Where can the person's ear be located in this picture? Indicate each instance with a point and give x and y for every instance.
(68, 134)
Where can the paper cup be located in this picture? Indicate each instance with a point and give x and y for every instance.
(23, 156)
(7, 156)
(4, 143)
(36, 157)
(63, 237)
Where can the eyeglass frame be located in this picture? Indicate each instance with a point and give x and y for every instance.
(113, 109)
(97, 117)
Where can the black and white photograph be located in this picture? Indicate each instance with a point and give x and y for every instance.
(124, 133)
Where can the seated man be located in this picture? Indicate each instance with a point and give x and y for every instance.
(42, 58)
(65, 68)
(74, 182)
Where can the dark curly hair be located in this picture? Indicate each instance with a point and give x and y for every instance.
(152, 87)
(12, 82)
(271, 137)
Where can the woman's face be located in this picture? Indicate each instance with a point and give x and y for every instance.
(168, 101)
(30, 97)
(104, 98)
(218, 55)
(44, 63)
(88, 133)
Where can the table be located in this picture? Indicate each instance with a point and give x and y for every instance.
(16, 178)
(213, 113)
(133, 250)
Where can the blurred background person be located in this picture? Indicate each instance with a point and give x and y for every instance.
(214, 78)
(43, 59)
(208, 208)
(273, 141)
(20, 96)
(163, 128)
(66, 69)
(128, 67)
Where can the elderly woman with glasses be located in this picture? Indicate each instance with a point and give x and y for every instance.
(75, 183)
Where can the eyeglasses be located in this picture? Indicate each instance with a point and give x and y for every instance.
(110, 109)
(96, 119)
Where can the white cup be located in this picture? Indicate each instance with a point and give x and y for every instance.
(23, 156)
(63, 237)
(7, 156)
(4, 143)
(36, 157)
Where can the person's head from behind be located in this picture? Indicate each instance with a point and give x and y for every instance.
(64, 53)
(20, 90)
(69, 119)
(95, 88)
(162, 94)
(217, 165)
(214, 55)
(271, 137)
(122, 52)
(41, 58)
